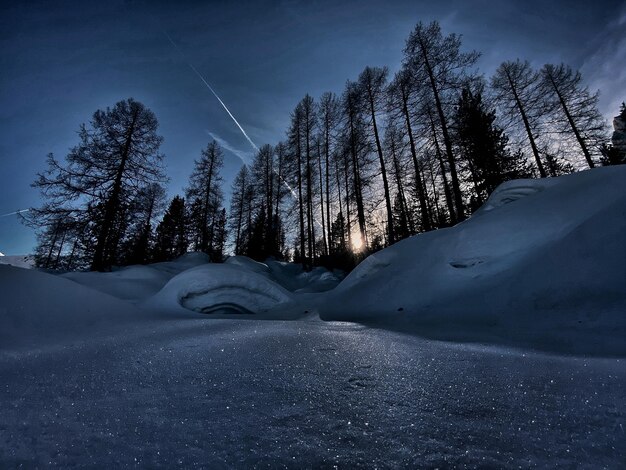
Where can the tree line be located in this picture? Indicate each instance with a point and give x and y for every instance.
(387, 158)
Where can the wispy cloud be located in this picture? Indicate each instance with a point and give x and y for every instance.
(604, 68)
(244, 156)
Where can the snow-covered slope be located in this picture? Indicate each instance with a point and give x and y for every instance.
(39, 309)
(20, 261)
(543, 262)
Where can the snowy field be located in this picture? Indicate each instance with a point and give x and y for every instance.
(498, 342)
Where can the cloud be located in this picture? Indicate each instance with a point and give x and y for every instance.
(604, 68)
(244, 156)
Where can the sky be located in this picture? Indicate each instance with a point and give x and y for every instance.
(61, 61)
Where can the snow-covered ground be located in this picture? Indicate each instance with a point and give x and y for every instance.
(111, 369)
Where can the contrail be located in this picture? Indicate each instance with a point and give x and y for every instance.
(254, 146)
(14, 213)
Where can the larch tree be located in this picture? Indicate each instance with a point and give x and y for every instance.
(437, 60)
(329, 116)
(576, 108)
(372, 83)
(515, 87)
(204, 196)
(118, 154)
(399, 100)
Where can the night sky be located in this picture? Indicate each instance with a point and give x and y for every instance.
(59, 64)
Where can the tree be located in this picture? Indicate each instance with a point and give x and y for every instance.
(483, 146)
(399, 95)
(171, 240)
(516, 91)
(294, 136)
(579, 108)
(118, 154)
(329, 115)
(205, 196)
(354, 134)
(615, 153)
(146, 206)
(239, 208)
(372, 88)
(437, 60)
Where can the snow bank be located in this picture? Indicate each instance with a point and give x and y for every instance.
(19, 261)
(543, 262)
(221, 288)
(38, 309)
(291, 276)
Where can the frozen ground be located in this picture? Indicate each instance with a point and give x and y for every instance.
(243, 393)
(120, 369)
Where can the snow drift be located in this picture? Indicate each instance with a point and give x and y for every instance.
(223, 288)
(242, 285)
(543, 262)
(39, 309)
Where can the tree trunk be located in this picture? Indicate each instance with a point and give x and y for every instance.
(426, 225)
(529, 132)
(112, 204)
(579, 138)
(383, 171)
(446, 187)
(456, 187)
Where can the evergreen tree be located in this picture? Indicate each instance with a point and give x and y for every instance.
(205, 196)
(240, 207)
(483, 146)
(147, 206)
(171, 240)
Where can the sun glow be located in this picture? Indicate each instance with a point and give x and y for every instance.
(357, 242)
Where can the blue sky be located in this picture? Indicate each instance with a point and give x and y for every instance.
(60, 63)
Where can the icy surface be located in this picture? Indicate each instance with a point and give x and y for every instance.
(542, 264)
(229, 393)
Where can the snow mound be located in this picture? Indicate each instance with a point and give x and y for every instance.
(222, 288)
(543, 262)
(38, 309)
(137, 283)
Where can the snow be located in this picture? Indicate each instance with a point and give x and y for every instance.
(541, 264)
(137, 283)
(21, 261)
(306, 394)
(39, 309)
(119, 369)
(222, 288)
